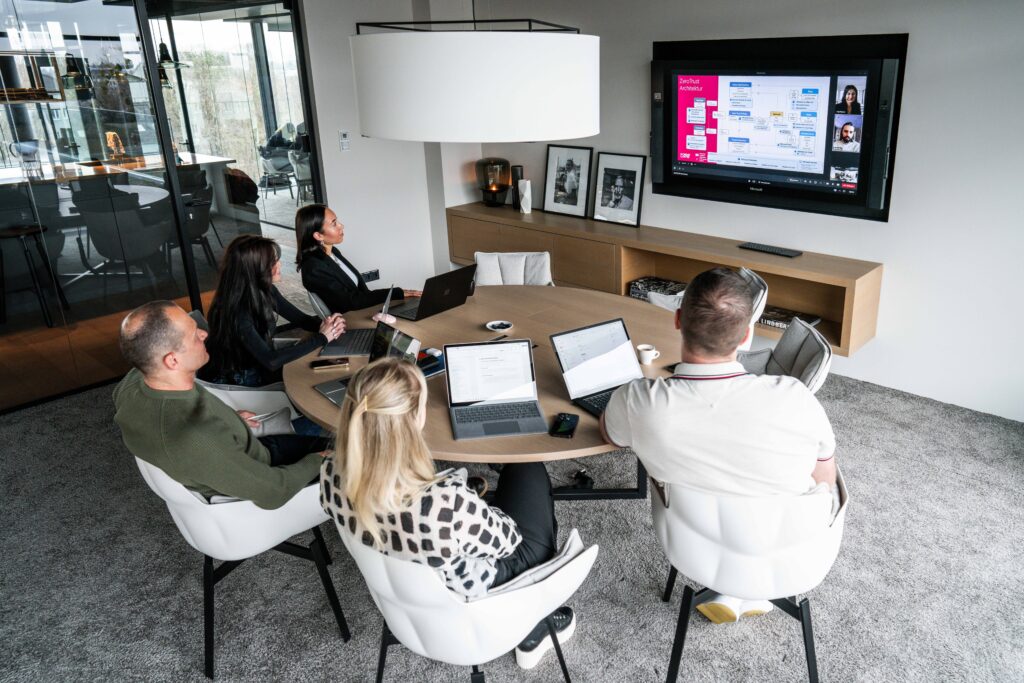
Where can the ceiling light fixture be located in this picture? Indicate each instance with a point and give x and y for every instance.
(167, 63)
(429, 81)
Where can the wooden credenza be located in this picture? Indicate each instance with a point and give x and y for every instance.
(604, 256)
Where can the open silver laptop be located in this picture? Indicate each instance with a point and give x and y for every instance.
(596, 360)
(387, 341)
(354, 342)
(492, 389)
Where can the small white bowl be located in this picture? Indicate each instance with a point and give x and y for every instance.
(499, 326)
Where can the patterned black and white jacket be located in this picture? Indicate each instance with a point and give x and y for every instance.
(448, 528)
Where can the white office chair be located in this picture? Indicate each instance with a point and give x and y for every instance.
(759, 291)
(758, 288)
(270, 398)
(421, 613)
(754, 548)
(513, 268)
(801, 352)
(319, 307)
(232, 530)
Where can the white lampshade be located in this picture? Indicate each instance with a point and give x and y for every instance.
(477, 86)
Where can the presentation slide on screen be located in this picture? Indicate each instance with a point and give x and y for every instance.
(767, 122)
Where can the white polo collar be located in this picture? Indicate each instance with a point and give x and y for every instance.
(709, 370)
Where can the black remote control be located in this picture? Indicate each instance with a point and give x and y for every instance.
(769, 249)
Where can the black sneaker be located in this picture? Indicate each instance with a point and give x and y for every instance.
(532, 649)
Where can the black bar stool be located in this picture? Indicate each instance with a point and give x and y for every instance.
(20, 232)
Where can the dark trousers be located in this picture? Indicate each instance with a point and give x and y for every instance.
(287, 449)
(524, 494)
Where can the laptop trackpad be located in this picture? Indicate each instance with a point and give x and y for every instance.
(492, 428)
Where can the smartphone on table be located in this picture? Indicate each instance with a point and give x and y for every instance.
(327, 364)
(564, 425)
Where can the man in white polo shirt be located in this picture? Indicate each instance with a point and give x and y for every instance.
(714, 427)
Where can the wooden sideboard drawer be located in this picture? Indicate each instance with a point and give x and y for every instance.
(466, 236)
(585, 263)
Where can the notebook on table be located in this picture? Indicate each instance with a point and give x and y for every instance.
(386, 341)
(596, 360)
(492, 389)
(440, 293)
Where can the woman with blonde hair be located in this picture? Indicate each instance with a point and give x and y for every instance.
(380, 487)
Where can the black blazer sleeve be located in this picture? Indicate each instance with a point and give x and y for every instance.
(264, 354)
(287, 310)
(322, 276)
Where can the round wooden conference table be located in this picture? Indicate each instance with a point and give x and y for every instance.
(536, 313)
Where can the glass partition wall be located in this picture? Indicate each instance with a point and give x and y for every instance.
(99, 211)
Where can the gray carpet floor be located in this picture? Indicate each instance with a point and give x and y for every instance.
(97, 583)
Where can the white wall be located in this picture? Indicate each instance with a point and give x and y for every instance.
(379, 187)
(954, 244)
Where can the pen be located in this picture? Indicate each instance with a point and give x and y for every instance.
(499, 337)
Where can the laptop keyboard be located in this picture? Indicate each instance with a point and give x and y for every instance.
(496, 411)
(597, 403)
(354, 341)
(408, 311)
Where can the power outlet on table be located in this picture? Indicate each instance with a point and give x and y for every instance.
(371, 275)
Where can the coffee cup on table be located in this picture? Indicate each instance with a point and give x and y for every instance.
(648, 354)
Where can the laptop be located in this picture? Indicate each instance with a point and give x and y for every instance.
(492, 389)
(596, 360)
(440, 293)
(386, 341)
(354, 342)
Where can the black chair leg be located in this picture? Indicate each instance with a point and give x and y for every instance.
(801, 611)
(672, 574)
(805, 621)
(477, 676)
(49, 272)
(558, 648)
(208, 252)
(680, 638)
(3, 294)
(323, 546)
(386, 639)
(35, 283)
(208, 581)
(332, 597)
(217, 234)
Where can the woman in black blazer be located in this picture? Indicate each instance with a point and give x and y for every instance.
(325, 272)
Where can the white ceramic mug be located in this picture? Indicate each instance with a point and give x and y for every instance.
(648, 354)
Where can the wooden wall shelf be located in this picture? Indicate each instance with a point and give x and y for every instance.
(596, 255)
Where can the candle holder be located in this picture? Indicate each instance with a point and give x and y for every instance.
(494, 178)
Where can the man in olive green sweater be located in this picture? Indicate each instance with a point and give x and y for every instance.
(173, 423)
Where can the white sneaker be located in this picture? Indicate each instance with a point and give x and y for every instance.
(532, 649)
(725, 609)
(755, 608)
(721, 609)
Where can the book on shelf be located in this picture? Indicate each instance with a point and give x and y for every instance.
(776, 316)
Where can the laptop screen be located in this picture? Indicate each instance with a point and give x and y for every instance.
(388, 341)
(596, 358)
(490, 371)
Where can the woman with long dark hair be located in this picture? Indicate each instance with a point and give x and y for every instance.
(243, 317)
(849, 103)
(325, 272)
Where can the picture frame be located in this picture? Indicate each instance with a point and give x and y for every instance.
(620, 188)
(567, 181)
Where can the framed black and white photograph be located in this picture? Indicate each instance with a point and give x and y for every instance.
(567, 183)
(620, 188)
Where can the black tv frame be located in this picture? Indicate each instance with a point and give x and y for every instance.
(886, 53)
